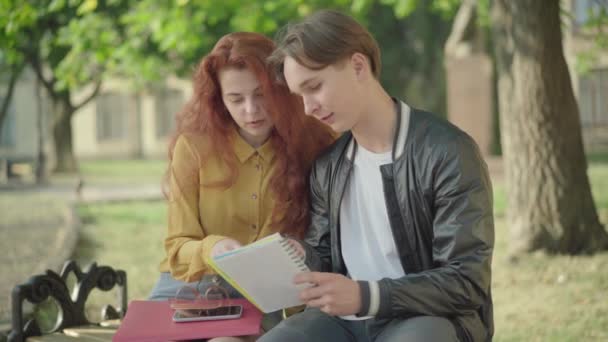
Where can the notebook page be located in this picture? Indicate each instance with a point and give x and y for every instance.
(265, 271)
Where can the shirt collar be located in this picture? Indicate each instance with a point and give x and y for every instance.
(244, 151)
(404, 112)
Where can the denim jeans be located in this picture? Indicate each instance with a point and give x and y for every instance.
(315, 325)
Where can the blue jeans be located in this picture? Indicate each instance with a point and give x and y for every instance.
(315, 325)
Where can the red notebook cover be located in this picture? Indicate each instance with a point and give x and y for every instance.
(151, 321)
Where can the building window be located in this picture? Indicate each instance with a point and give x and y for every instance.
(586, 9)
(7, 136)
(167, 103)
(593, 105)
(112, 116)
(593, 100)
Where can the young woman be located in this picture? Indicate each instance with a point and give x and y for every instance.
(239, 162)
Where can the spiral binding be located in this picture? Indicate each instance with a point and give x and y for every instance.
(292, 253)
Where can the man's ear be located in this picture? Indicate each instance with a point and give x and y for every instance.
(360, 65)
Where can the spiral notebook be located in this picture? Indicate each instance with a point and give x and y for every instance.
(263, 272)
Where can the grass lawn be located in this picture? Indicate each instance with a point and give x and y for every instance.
(549, 298)
(16, 209)
(123, 235)
(119, 171)
(23, 243)
(537, 298)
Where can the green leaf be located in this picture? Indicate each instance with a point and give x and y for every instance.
(56, 5)
(359, 6)
(87, 6)
(404, 8)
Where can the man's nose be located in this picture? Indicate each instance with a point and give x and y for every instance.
(310, 106)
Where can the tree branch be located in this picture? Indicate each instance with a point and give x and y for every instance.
(91, 96)
(460, 41)
(34, 61)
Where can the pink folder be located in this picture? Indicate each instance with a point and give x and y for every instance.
(151, 321)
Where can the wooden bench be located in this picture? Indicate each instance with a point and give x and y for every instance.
(72, 323)
(16, 167)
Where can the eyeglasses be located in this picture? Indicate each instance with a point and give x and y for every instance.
(205, 296)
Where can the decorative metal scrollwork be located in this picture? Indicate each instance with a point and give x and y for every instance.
(72, 307)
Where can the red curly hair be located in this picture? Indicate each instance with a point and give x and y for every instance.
(296, 138)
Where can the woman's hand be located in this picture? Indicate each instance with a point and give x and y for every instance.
(223, 246)
(298, 246)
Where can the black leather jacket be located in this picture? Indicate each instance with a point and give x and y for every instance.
(439, 202)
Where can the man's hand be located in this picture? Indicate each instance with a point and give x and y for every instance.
(223, 246)
(333, 293)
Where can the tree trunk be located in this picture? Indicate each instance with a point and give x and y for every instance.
(41, 174)
(62, 112)
(550, 205)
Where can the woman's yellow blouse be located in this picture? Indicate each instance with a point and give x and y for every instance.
(200, 216)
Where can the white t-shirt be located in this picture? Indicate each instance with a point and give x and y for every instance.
(368, 247)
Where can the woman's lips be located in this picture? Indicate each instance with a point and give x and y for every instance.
(256, 123)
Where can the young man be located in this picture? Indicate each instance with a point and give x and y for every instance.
(402, 230)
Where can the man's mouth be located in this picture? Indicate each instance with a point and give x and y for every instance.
(327, 117)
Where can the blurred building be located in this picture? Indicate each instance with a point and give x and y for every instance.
(121, 123)
(590, 87)
(470, 84)
(18, 135)
(118, 123)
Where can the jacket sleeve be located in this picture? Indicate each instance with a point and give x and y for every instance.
(317, 242)
(463, 240)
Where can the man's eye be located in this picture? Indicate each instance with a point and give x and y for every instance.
(316, 87)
